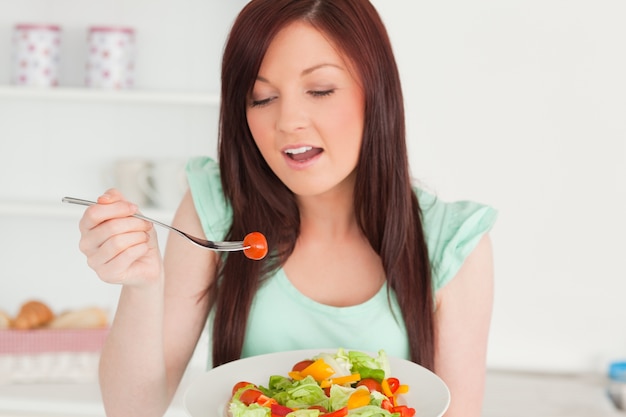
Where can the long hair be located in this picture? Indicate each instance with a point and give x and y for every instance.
(386, 208)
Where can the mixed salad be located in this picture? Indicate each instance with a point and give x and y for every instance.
(345, 383)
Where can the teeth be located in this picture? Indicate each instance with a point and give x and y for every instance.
(296, 151)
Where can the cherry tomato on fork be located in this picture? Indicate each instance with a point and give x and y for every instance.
(257, 246)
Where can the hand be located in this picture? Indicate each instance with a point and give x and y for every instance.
(121, 249)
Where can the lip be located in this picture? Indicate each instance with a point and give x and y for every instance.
(300, 165)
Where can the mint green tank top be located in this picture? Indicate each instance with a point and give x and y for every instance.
(282, 318)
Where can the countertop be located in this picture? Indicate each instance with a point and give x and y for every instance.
(70, 399)
(522, 394)
(508, 394)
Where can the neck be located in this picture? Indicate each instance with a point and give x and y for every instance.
(329, 215)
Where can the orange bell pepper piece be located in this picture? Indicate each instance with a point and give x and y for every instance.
(359, 398)
(340, 380)
(319, 370)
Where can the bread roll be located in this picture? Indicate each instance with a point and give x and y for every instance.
(33, 314)
(86, 318)
(5, 320)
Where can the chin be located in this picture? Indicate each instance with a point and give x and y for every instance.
(309, 184)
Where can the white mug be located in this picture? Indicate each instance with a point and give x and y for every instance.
(167, 182)
(131, 177)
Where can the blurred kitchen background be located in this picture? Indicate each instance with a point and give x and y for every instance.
(519, 104)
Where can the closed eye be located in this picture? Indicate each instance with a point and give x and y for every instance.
(260, 103)
(321, 93)
(314, 93)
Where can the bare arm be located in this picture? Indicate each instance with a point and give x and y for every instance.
(159, 316)
(189, 271)
(463, 318)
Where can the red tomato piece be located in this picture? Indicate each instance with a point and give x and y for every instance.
(404, 411)
(301, 365)
(250, 396)
(240, 385)
(371, 384)
(280, 410)
(387, 405)
(257, 246)
(322, 409)
(342, 412)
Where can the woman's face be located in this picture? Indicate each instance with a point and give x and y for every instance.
(306, 112)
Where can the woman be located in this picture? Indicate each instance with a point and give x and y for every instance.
(312, 154)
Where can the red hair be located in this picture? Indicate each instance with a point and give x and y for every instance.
(386, 207)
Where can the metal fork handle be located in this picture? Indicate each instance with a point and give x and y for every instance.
(219, 246)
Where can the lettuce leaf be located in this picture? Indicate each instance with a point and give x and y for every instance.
(370, 367)
(239, 409)
(339, 396)
(296, 394)
(370, 411)
(304, 413)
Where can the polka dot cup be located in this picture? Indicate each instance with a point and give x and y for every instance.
(110, 61)
(36, 55)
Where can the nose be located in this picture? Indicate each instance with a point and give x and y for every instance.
(292, 115)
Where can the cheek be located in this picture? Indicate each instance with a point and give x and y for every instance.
(346, 121)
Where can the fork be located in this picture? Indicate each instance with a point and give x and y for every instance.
(203, 243)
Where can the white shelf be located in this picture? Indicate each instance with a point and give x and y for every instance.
(104, 96)
(36, 209)
(48, 209)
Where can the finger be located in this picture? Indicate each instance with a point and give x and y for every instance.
(99, 213)
(120, 251)
(137, 264)
(127, 267)
(94, 239)
(111, 195)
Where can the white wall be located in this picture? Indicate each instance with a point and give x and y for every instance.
(518, 104)
(521, 104)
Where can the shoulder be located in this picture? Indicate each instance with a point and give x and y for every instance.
(205, 186)
(452, 231)
(203, 167)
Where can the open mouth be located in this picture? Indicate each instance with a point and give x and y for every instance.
(303, 153)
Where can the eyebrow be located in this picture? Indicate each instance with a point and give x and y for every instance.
(308, 71)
